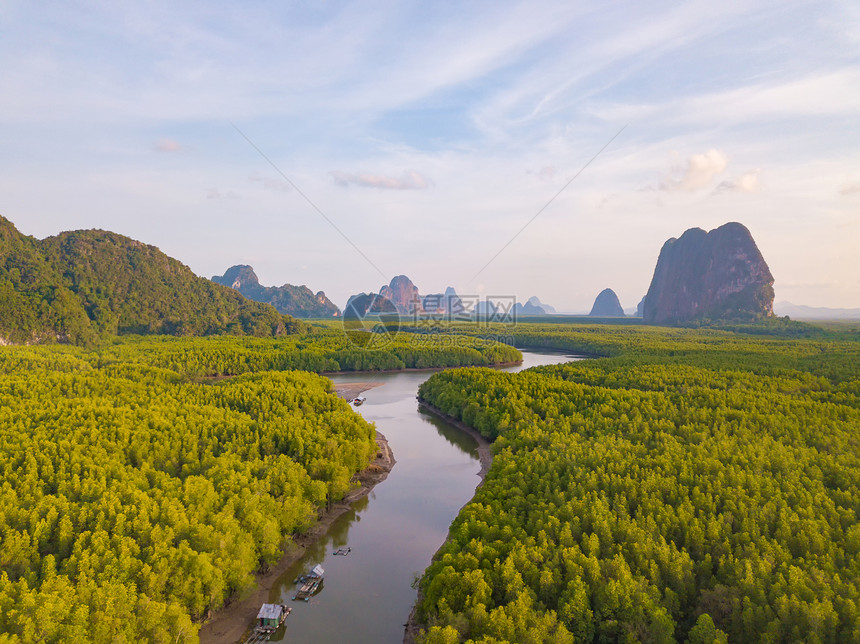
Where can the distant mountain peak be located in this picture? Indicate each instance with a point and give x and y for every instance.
(298, 301)
(531, 307)
(239, 276)
(535, 301)
(606, 305)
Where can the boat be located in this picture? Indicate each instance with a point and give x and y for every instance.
(311, 584)
(343, 551)
(359, 401)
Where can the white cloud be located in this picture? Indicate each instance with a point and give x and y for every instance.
(410, 180)
(747, 182)
(698, 173)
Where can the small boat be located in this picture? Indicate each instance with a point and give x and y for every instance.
(359, 401)
(311, 584)
(343, 551)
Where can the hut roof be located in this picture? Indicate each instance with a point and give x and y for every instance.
(270, 611)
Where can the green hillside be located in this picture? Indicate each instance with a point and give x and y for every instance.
(79, 286)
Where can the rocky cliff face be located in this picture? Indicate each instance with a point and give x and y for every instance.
(718, 275)
(298, 301)
(238, 278)
(400, 296)
(607, 305)
(404, 295)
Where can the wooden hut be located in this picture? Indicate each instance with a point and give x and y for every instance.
(271, 616)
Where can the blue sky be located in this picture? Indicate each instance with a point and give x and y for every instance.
(431, 133)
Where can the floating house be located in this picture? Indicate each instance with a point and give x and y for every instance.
(271, 616)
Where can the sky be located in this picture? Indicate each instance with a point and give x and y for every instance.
(502, 148)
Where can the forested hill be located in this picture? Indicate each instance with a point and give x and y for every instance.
(82, 285)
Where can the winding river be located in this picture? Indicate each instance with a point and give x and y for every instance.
(393, 532)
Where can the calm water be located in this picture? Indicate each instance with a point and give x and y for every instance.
(393, 533)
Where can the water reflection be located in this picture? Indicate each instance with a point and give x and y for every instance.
(456, 437)
(337, 536)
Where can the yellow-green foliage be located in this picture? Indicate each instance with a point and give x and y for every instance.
(325, 350)
(137, 492)
(133, 502)
(637, 499)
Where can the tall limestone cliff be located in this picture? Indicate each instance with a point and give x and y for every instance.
(403, 294)
(716, 275)
(606, 305)
(298, 301)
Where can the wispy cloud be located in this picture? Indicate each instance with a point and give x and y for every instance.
(699, 172)
(270, 183)
(168, 145)
(220, 195)
(851, 188)
(410, 180)
(546, 173)
(830, 93)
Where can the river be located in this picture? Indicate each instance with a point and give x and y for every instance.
(393, 532)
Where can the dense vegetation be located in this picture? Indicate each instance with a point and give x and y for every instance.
(325, 349)
(699, 487)
(137, 493)
(81, 286)
(133, 502)
(767, 347)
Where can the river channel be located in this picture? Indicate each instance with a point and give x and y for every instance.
(392, 533)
